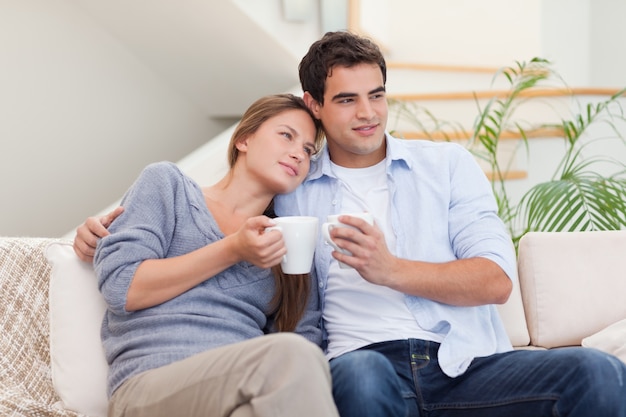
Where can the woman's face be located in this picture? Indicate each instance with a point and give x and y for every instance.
(279, 153)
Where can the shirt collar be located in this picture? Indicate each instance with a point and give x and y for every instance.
(395, 152)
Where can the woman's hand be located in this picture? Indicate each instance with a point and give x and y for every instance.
(256, 246)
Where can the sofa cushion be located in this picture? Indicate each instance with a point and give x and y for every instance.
(611, 339)
(572, 284)
(26, 388)
(512, 315)
(79, 368)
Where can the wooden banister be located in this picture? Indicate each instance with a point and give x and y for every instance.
(459, 135)
(472, 95)
(415, 66)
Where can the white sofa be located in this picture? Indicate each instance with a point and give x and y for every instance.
(571, 286)
(572, 292)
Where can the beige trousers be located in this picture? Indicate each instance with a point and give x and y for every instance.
(277, 375)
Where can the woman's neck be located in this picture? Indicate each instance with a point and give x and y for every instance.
(231, 203)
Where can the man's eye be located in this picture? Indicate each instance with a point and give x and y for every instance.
(309, 151)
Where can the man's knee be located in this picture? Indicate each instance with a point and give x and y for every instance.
(362, 372)
(365, 383)
(606, 373)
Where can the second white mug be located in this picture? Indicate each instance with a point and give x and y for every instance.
(333, 221)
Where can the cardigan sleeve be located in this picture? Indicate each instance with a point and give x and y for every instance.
(143, 231)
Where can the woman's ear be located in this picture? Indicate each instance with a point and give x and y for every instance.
(311, 103)
(242, 144)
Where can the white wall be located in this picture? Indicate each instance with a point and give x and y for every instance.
(567, 38)
(477, 33)
(608, 34)
(584, 39)
(68, 92)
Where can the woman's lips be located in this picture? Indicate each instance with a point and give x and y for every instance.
(291, 169)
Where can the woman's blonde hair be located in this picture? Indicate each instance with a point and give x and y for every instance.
(266, 108)
(292, 292)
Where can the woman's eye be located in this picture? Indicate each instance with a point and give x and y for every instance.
(288, 135)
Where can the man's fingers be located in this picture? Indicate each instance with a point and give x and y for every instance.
(91, 230)
(88, 233)
(107, 219)
(84, 252)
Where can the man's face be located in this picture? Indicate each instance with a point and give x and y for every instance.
(354, 115)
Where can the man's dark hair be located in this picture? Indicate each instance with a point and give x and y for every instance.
(343, 49)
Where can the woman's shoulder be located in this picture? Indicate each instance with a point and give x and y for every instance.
(163, 172)
(162, 168)
(158, 177)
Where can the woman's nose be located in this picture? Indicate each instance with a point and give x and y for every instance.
(298, 155)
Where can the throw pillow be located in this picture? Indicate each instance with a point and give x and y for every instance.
(611, 339)
(79, 367)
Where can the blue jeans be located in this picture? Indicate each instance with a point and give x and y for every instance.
(403, 378)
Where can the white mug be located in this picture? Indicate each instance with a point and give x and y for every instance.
(300, 236)
(332, 221)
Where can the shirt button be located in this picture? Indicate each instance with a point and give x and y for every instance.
(334, 203)
(321, 285)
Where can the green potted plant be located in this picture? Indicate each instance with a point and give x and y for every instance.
(577, 197)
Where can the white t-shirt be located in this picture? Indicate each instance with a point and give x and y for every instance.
(356, 312)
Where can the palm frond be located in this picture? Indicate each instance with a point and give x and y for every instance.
(582, 202)
(577, 197)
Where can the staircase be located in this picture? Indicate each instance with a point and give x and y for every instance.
(212, 51)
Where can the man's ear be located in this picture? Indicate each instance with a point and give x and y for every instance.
(312, 104)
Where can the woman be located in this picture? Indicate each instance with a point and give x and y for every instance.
(185, 273)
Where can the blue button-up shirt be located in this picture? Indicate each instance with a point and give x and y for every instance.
(442, 209)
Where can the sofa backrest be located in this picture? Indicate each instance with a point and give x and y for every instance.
(573, 284)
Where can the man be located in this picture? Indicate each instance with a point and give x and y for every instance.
(412, 329)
